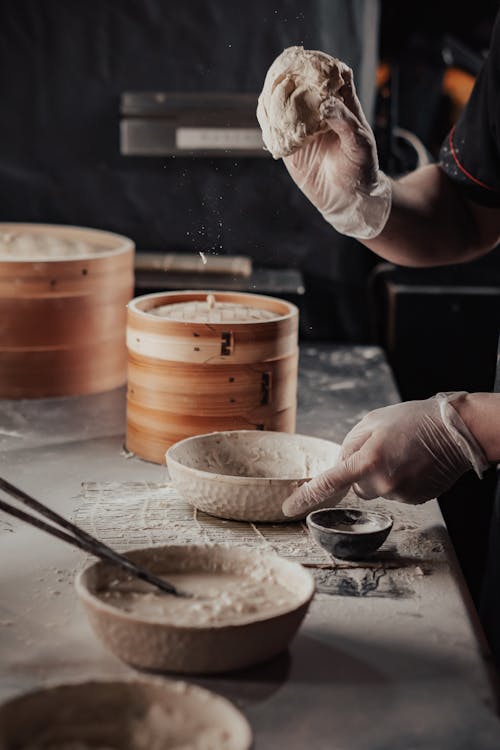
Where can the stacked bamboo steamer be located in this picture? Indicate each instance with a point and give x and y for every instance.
(63, 297)
(201, 362)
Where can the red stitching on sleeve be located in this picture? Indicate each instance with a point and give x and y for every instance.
(462, 168)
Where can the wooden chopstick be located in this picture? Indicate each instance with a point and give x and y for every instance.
(78, 537)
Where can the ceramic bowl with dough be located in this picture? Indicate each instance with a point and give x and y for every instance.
(245, 475)
(168, 642)
(135, 714)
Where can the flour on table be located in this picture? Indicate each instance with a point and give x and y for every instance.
(128, 515)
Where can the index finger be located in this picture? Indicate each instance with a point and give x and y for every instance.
(332, 484)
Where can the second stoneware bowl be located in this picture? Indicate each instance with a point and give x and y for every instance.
(162, 639)
(245, 475)
(134, 714)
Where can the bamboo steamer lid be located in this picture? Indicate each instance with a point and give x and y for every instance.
(63, 296)
(196, 367)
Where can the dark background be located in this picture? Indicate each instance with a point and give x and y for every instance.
(63, 66)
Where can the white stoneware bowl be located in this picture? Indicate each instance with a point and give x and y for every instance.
(245, 475)
(160, 643)
(135, 714)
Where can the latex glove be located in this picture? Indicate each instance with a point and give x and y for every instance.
(411, 452)
(338, 169)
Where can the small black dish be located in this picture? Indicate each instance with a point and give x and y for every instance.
(349, 533)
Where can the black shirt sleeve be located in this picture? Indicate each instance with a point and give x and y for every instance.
(470, 155)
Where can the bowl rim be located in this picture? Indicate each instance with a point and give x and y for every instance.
(91, 600)
(231, 478)
(385, 517)
(134, 305)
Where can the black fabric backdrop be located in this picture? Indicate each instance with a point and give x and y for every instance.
(63, 66)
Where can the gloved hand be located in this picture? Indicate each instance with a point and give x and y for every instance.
(411, 452)
(338, 169)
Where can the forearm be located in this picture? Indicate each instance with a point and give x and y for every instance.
(481, 414)
(430, 224)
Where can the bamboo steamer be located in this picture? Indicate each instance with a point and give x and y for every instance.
(63, 319)
(189, 377)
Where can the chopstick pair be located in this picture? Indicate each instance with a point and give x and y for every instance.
(77, 536)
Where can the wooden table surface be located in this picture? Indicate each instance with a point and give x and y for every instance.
(390, 656)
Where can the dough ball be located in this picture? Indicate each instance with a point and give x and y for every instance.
(296, 85)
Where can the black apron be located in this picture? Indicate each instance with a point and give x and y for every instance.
(489, 610)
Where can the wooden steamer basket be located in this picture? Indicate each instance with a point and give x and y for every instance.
(63, 319)
(187, 378)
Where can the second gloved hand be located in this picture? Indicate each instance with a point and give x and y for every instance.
(411, 452)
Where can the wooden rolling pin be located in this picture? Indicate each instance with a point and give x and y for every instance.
(203, 263)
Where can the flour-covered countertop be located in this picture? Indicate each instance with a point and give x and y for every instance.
(390, 656)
